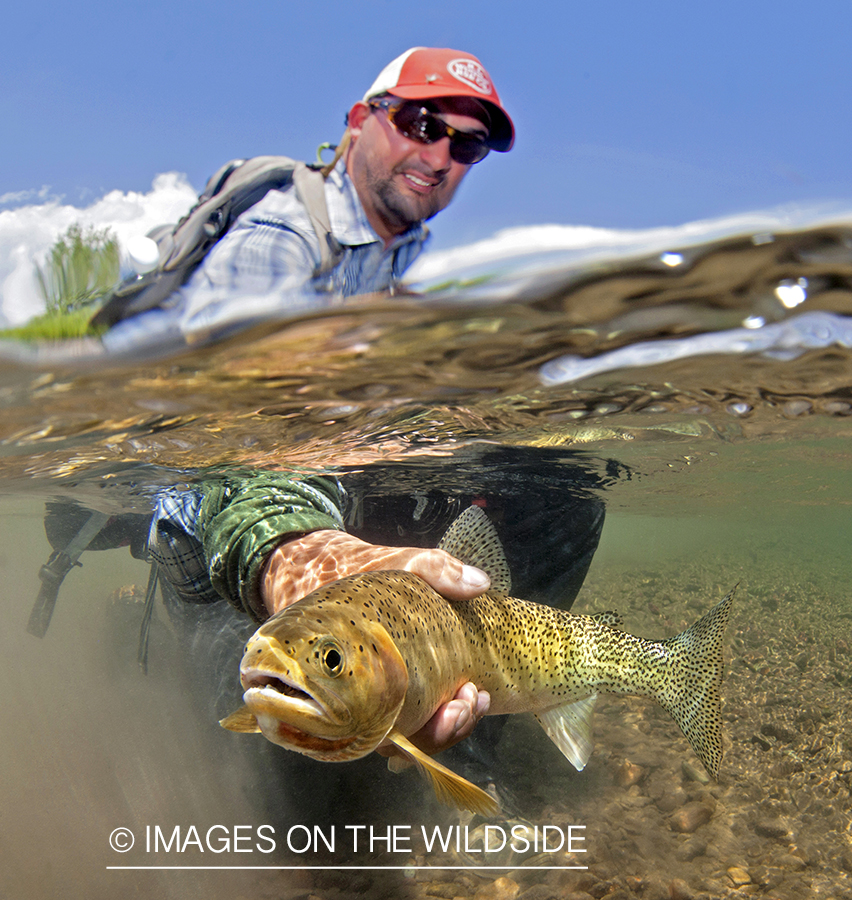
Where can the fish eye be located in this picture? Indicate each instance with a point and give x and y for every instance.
(331, 658)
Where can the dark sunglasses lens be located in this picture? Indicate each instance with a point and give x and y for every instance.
(418, 124)
(468, 151)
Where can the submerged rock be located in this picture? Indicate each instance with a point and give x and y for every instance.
(691, 817)
(739, 876)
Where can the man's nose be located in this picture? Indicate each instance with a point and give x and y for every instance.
(437, 155)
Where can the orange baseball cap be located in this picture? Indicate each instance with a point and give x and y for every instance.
(424, 73)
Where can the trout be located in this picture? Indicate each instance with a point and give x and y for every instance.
(366, 661)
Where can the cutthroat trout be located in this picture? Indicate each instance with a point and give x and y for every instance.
(367, 660)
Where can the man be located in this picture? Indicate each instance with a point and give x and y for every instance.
(264, 540)
(430, 115)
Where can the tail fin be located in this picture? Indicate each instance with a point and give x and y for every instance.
(690, 688)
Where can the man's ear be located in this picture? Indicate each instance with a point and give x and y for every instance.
(357, 116)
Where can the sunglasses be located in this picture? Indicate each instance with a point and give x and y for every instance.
(413, 121)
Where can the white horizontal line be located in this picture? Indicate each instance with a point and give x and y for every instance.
(362, 868)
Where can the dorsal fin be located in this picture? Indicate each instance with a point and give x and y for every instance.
(473, 539)
(570, 728)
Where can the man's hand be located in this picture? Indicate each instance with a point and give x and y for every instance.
(452, 723)
(302, 565)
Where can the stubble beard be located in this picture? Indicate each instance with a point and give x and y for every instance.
(400, 211)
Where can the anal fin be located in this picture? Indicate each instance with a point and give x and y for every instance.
(570, 728)
(449, 787)
(242, 721)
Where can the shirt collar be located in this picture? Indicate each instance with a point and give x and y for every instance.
(349, 223)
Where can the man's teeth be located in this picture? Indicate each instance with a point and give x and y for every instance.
(417, 180)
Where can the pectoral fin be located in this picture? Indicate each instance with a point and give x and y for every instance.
(242, 721)
(449, 787)
(570, 728)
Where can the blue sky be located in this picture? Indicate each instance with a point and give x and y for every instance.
(628, 114)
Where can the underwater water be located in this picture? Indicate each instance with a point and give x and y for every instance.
(700, 392)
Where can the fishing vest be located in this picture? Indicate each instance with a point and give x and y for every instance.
(236, 187)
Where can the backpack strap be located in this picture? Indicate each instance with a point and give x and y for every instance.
(310, 186)
(236, 187)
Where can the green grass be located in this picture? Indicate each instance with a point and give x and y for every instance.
(54, 326)
(81, 269)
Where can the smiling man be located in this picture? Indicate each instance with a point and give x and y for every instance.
(354, 229)
(429, 116)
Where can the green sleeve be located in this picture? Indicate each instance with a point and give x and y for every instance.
(244, 517)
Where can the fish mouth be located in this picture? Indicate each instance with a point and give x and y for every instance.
(266, 687)
(290, 716)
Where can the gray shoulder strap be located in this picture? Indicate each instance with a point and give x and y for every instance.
(310, 186)
(235, 188)
(239, 187)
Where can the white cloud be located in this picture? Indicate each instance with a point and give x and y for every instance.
(28, 232)
(23, 196)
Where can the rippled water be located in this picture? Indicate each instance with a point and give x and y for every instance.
(702, 391)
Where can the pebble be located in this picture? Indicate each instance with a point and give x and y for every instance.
(797, 407)
(693, 773)
(500, 889)
(444, 890)
(690, 817)
(628, 774)
(790, 862)
(655, 888)
(739, 876)
(680, 890)
(785, 767)
(539, 892)
(779, 732)
(671, 800)
(761, 741)
(771, 828)
(694, 847)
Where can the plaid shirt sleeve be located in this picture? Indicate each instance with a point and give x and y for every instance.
(175, 548)
(213, 542)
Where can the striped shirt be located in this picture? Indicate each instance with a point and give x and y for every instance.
(264, 267)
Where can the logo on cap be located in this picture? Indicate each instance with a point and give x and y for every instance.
(469, 72)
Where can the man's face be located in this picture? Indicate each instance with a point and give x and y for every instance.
(400, 181)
